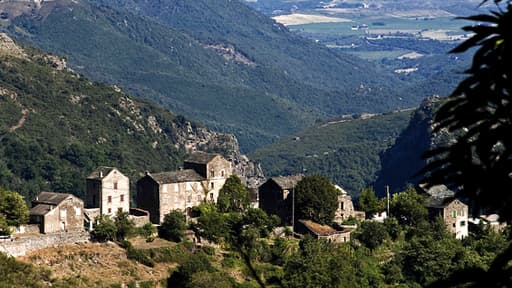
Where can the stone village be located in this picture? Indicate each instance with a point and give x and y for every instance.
(58, 218)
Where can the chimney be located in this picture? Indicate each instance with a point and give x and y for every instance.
(101, 174)
(147, 173)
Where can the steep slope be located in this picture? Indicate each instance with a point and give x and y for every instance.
(346, 150)
(56, 127)
(216, 61)
(402, 163)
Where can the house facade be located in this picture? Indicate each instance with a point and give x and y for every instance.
(57, 212)
(108, 190)
(345, 206)
(276, 196)
(453, 212)
(201, 180)
(442, 203)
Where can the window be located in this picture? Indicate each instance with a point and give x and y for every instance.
(109, 210)
(454, 225)
(212, 173)
(462, 213)
(189, 199)
(222, 173)
(211, 196)
(199, 198)
(454, 214)
(462, 223)
(212, 185)
(342, 206)
(115, 185)
(122, 198)
(109, 199)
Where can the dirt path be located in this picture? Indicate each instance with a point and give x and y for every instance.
(24, 114)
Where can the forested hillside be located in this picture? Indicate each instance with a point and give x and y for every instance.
(219, 62)
(56, 127)
(345, 150)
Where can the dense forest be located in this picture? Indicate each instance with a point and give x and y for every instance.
(253, 78)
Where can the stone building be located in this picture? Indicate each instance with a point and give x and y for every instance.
(57, 212)
(201, 180)
(275, 196)
(319, 231)
(345, 206)
(454, 213)
(108, 190)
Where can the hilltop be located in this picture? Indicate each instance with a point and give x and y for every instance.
(252, 77)
(56, 127)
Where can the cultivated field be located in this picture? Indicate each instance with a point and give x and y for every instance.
(298, 19)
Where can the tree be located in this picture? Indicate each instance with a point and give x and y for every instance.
(316, 199)
(13, 208)
(233, 196)
(212, 225)
(105, 229)
(173, 227)
(369, 203)
(479, 115)
(124, 225)
(409, 207)
(372, 234)
(4, 228)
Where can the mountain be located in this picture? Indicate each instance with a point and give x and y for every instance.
(56, 127)
(216, 61)
(346, 150)
(402, 162)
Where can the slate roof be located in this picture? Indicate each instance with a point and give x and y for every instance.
(46, 201)
(438, 202)
(41, 209)
(100, 173)
(287, 182)
(201, 158)
(187, 175)
(50, 198)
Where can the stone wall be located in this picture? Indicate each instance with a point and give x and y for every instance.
(19, 246)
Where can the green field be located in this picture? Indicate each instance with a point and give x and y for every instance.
(389, 23)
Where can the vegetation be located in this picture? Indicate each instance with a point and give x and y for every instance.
(131, 135)
(478, 113)
(105, 229)
(233, 196)
(173, 227)
(345, 150)
(369, 203)
(13, 210)
(283, 84)
(315, 199)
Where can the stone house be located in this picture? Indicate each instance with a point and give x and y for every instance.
(108, 190)
(442, 203)
(201, 179)
(57, 212)
(345, 206)
(322, 231)
(275, 196)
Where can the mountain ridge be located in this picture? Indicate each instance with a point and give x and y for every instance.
(56, 127)
(292, 82)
